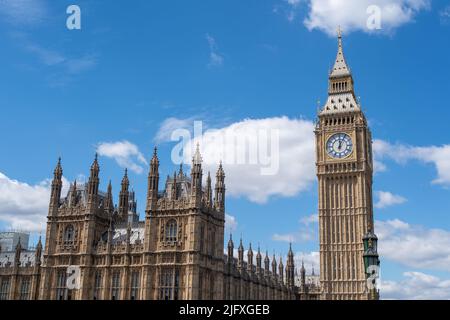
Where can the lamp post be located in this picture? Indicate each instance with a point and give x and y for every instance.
(371, 263)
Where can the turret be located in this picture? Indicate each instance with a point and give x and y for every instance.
(290, 268)
(209, 201)
(109, 204)
(250, 259)
(180, 172)
(274, 266)
(123, 197)
(266, 265)
(38, 253)
(258, 262)
(174, 191)
(230, 249)
(55, 195)
(241, 255)
(303, 276)
(196, 176)
(219, 198)
(281, 270)
(93, 184)
(17, 254)
(73, 194)
(153, 182)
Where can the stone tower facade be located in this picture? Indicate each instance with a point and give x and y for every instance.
(185, 234)
(344, 170)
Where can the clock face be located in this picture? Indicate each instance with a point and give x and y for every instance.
(339, 145)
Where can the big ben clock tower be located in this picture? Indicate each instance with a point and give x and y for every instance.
(344, 170)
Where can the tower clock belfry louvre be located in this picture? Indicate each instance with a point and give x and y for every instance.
(344, 169)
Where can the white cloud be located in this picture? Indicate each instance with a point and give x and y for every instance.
(416, 286)
(439, 156)
(230, 223)
(23, 12)
(23, 206)
(215, 57)
(310, 259)
(126, 154)
(387, 199)
(414, 246)
(169, 126)
(445, 15)
(253, 170)
(54, 58)
(307, 231)
(352, 15)
(313, 218)
(284, 237)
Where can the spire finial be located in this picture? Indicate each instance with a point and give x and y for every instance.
(58, 169)
(181, 169)
(340, 67)
(197, 159)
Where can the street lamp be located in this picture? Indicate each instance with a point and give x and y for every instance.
(371, 263)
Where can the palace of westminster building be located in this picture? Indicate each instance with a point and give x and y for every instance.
(177, 252)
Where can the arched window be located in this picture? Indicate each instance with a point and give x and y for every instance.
(171, 231)
(69, 234)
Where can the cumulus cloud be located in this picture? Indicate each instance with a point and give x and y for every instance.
(253, 162)
(414, 246)
(126, 154)
(387, 199)
(439, 156)
(215, 57)
(353, 15)
(24, 206)
(416, 286)
(258, 168)
(230, 223)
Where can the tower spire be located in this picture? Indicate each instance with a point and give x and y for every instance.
(109, 206)
(340, 67)
(153, 182)
(93, 183)
(196, 176)
(208, 190)
(341, 94)
(56, 187)
(219, 196)
(123, 197)
(230, 249)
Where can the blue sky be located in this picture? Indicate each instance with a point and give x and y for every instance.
(137, 69)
